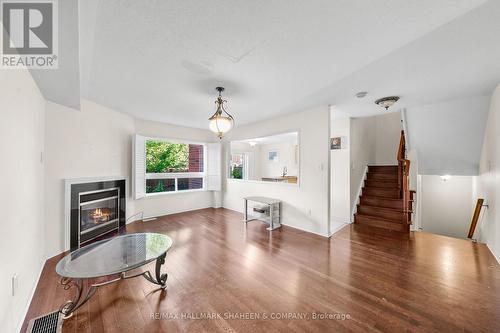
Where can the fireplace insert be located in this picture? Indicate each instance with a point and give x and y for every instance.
(99, 213)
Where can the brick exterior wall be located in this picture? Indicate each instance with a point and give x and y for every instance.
(195, 158)
(195, 165)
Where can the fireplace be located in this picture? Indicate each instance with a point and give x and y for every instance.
(96, 210)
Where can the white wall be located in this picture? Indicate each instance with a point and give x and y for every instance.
(97, 142)
(446, 206)
(340, 200)
(489, 177)
(387, 134)
(21, 193)
(304, 206)
(362, 153)
(374, 140)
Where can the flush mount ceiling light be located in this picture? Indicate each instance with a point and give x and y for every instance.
(221, 121)
(253, 143)
(387, 102)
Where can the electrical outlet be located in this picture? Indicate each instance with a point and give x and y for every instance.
(15, 284)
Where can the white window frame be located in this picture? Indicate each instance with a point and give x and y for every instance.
(177, 175)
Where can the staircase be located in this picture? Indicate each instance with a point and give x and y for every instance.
(386, 201)
(380, 204)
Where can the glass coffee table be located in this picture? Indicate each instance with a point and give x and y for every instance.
(117, 255)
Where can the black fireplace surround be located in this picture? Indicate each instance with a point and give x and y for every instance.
(97, 209)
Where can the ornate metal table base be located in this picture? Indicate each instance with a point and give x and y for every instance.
(68, 308)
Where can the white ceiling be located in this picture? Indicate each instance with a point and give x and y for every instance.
(161, 60)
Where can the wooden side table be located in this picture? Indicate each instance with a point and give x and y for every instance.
(274, 211)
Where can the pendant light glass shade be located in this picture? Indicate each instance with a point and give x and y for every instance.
(220, 124)
(221, 121)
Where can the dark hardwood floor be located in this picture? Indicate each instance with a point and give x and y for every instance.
(390, 283)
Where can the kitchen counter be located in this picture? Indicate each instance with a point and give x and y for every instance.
(281, 179)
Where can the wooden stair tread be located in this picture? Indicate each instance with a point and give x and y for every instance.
(380, 231)
(377, 222)
(392, 182)
(395, 180)
(382, 167)
(378, 197)
(383, 190)
(398, 210)
(378, 184)
(382, 176)
(379, 172)
(371, 217)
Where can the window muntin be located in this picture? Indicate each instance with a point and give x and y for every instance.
(160, 185)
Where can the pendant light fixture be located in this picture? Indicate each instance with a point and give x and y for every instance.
(387, 102)
(221, 121)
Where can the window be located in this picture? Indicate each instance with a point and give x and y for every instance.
(174, 166)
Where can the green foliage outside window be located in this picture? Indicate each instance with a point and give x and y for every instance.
(160, 187)
(166, 157)
(237, 173)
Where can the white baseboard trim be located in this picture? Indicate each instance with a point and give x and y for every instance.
(30, 299)
(285, 224)
(337, 229)
(134, 218)
(145, 217)
(305, 230)
(497, 259)
(362, 182)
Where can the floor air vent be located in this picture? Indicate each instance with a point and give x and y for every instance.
(48, 323)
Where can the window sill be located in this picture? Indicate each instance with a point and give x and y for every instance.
(159, 194)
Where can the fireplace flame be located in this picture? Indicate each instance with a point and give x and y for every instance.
(99, 216)
(97, 213)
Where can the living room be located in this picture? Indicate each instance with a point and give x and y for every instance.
(163, 173)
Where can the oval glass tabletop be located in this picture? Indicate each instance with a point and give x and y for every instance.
(113, 256)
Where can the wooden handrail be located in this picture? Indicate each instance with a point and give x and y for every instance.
(403, 177)
(475, 218)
